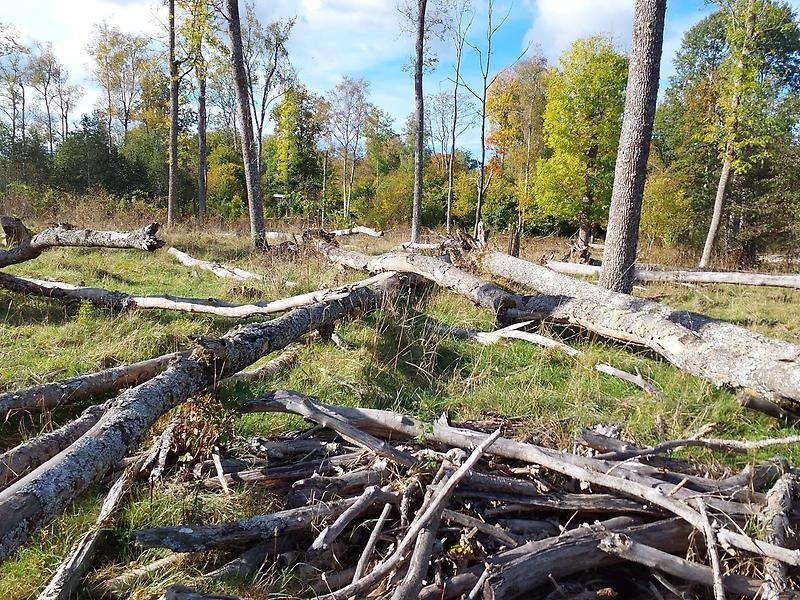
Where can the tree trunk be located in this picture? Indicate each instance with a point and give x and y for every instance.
(676, 275)
(48, 396)
(419, 123)
(172, 193)
(60, 235)
(47, 490)
(202, 148)
(634, 146)
(730, 143)
(324, 190)
(25, 457)
(249, 148)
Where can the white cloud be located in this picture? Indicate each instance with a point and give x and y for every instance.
(557, 23)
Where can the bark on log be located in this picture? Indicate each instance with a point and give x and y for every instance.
(119, 586)
(27, 456)
(185, 538)
(516, 572)
(719, 352)
(114, 300)
(775, 520)
(60, 235)
(670, 275)
(623, 547)
(48, 396)
(47, 490)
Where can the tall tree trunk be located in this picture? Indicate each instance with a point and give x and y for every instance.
(482, 183)
(634, 146)
(345, 205)
(172, 192)
(730, 143)
(249, 149)
(419, 123)
(452, 158)
(202, 147)
(324, 190)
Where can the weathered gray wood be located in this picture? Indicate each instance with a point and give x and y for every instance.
(624, 547)
(481, 292)
(452, 587)
(372, 495)
(119, 586)
(671, 275)
(284, 475)
(60, 235)
(775, 520)
(719, 352)
(48, 396)
(121, 301)
(654, 494)
(186, 538)
(217, 269)
(52, 486)
(303, 405)
(284, 361)
(27, 456)
(357, 229)
(516, 572)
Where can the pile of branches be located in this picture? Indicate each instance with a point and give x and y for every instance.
(378, 505)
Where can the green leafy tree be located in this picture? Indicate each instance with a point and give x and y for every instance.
(296, 134)
(585, 99)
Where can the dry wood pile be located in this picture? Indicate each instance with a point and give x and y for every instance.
(377, 504)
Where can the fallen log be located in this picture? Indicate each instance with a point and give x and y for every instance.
(357, 229)
(48, 396)
(775, 520)
(120, 585)
(623, 547)
(122, 301)
(719, 352)
(61, 235)
(714, 350)
(669, 275)
(186, 538)
(516, 572)
(284, 361)
(27, 456)
(51, 487)
(217, 269)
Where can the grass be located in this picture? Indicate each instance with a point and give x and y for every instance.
(395, 363)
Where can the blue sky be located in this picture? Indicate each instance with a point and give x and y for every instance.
(364, 38)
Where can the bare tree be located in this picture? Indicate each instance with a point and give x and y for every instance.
(67, 96)
(484, 61)
(43, 74)
(249, 148)
(634, 146)
(266, 63)
(347, 116)
(172, 194)
(460, 22)
(14, 76)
